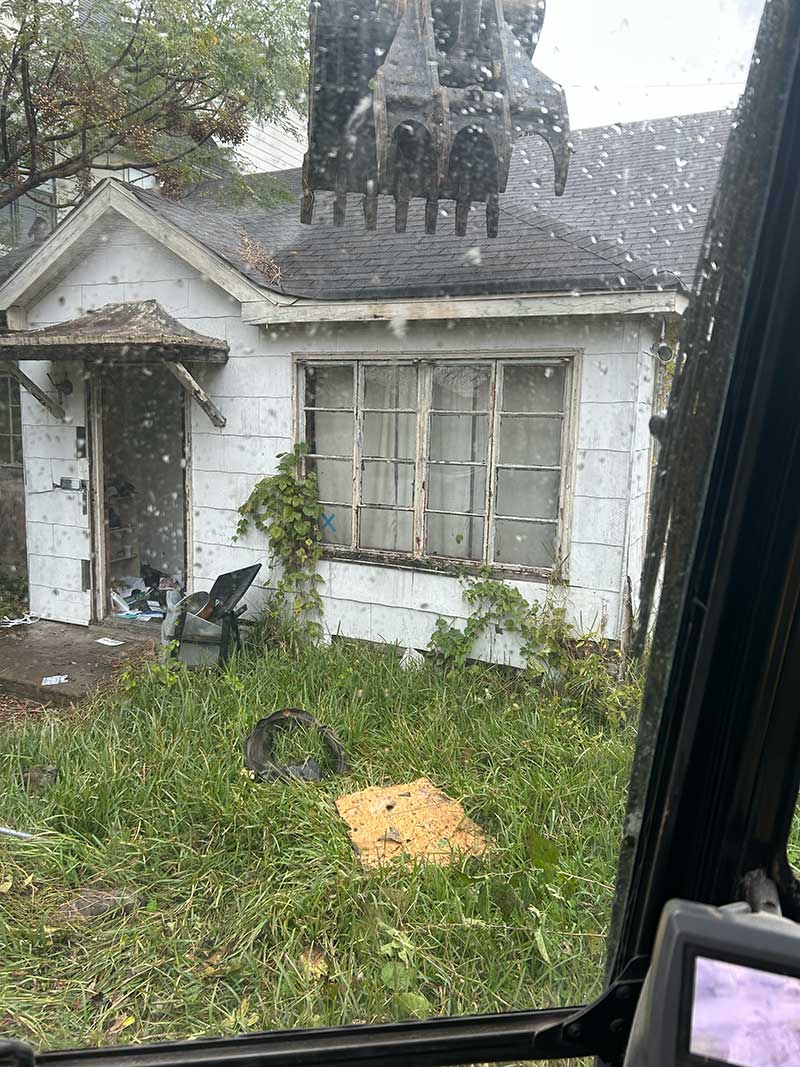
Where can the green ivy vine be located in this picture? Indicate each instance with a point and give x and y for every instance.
(541, 628)
(284, 506)
(582, 670)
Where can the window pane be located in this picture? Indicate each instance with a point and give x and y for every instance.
(390, 436)
(16, 446)
(528, 494)
(454, 536)
(531, 544)
(329, 387)
(336, 525)
(455, 437)
(5, 416)
(461, 387)
(330, 433)
(334, 478)
(390, 387)
(533, 388)
(392, 530)
(457, 489)
(388, 483)
(16, 419)
(531, 441)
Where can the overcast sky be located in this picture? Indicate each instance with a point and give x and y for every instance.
(621, 60)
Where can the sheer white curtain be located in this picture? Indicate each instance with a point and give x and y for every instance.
(458, 458)
(388, 450)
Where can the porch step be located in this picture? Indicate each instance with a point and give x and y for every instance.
(28, 654)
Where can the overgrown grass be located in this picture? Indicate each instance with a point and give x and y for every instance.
(13, 597)
(243, 884)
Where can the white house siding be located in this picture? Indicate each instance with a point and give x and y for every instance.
(390, 603)
(269, 147)
(57, 521)
(250, 390)
(641, 461)
(255, 393)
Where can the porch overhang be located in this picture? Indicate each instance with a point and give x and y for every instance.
(136, 332)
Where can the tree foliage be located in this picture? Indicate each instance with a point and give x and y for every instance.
(166, 86)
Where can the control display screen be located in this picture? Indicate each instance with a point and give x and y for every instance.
(743, 1016)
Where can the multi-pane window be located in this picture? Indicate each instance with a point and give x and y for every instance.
(10, 423)
(442, 459)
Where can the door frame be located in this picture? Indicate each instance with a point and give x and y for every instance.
(99, 533)
(99, 517)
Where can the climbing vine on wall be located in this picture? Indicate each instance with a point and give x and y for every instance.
(583, 671)
(284, 506)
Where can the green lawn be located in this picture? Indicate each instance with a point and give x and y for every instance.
(242, 883)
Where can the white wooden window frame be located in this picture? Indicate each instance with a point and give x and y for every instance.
(424, 362)
(8, 452)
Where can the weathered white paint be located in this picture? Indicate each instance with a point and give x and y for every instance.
(57, 520)
(255, 390)
(540, 305)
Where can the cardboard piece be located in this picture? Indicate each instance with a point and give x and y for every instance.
(411, 822)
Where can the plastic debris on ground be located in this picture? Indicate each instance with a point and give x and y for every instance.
(409, 822)
(143, 597)
(24, 620)
(55, 679)
(110, 642)
(411, 659)
(259, 744)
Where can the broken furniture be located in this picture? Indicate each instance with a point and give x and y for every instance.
(201, 638)
(414, 100)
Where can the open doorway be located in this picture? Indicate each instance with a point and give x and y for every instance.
(140, 485)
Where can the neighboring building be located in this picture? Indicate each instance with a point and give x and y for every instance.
(273, 147)
(466, 400)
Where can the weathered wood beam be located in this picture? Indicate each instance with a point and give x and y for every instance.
(199, 394)
(55, 409)
(544, 305)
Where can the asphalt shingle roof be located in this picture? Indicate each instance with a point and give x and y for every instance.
(633, 216)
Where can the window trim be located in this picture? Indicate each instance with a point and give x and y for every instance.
(570, 358)
(8, 438)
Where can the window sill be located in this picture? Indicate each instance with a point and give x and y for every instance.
(444, 567)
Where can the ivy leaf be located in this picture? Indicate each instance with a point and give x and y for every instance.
(415, 1005)
(396, 975)
(541, 852)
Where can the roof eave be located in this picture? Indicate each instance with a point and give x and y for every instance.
(627, 303)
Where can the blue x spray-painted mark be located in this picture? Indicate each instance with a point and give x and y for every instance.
(326, 522)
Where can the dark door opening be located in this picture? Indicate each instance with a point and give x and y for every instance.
(142, 506)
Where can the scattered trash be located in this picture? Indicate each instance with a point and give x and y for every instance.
(119, 602)
(55, 679)
(37, 779)
(202, 629)
(258, 748)
(111, 642)
(92, 903)
(411, 822)
(8, 832)
(411, 659)
(24, 620)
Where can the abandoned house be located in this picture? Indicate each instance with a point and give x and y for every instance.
(465, 400)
